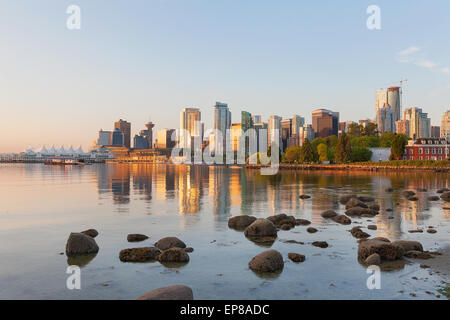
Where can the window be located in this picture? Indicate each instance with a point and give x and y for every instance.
(433, 151)
(420, 150)
(410, 151)
(420, 158)
(427, 150)
(440, 150)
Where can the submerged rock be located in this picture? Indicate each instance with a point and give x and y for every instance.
(135, 237)
(342, 219)
(311, 230)
(413, 198)
(170, 242)
(139, 254)
(375, 207)
(267, 261)
(90, 232)
(358, 212)
(174, 255)
(296, 257)
(240, 222)
(79, 243)
(261, 228)
(329, 214)
(176, 292)
(431, 230)
(302, 222)
(320, 244)
(373, 259)
(372, 227)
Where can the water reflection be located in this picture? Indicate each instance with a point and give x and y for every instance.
(193, 187)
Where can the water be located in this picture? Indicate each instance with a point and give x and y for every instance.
(40, 205)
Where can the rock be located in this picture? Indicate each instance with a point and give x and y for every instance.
(366, 199)
(389, 209)
(409, 245)
(296, 257)
(286, 227)
(320, 244)
(381, 239)
(431, 230)
(358, 212)
(372, 227)
(386, 249)
(373, 260)
(240, 222)
(418, 255)
(422, 190)
(342, 219)
(170, 242)
(390, 189)
(408, 193)
(329, 214)
(290, 221)
(311, 230)
(346, 198)
(90, 232)
(261, 228)
(79, 243)
(135, 237)
(189, 250)
(277, 218)
(375, 207)
(415, 231)
(304, 196)
(358, 233)
(446, 196)
(302, 222)
(354, 202)
(433, 198)
(413, 198)
(443, 190)
(177, 292)
(173, 255)
(139, 254)
(293, 241)
(267, 261)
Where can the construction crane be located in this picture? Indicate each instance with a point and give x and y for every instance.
(401, 82)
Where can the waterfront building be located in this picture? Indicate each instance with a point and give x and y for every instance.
(419, 123)
(222, 123)
(325, 123)
(435, 132)
(445, 125)
(190, 126)
(117, 138)
(165, 139)
(140, 142)
(125, 128)
(427, 149)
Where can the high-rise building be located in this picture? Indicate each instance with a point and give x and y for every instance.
(222, 123)
(325, 123)
(286, 132)
(165, 139)
(402, 127)
(394, 102)
(236, 133)
(104, 138)
(140, 142)
(388, 108)
(419, 123)
(445, 126)
(256, 118)
(246, 120)
(117, 138)
(385, 119)
(190, 126)
(306, 132)
(259, 127)
(274, 125)
(125, 128)
(435, 132)
(297, 122)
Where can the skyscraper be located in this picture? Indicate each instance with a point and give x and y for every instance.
(256, 118)
(165, 139)
(222, 123)
(325, 123)
(402, 127)
(435, 132)
(297, 122)
(274, 124)
(394, 102)
(125, 128)
(385, 119)
(104, 138)
(305, 132)
(246, 120)
(445, 126)
(419, 123)
(117, 138)
(190, 126)
(286, 131)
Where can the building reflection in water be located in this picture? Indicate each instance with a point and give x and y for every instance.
(237, 191)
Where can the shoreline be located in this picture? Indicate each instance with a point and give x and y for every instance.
(351, 167)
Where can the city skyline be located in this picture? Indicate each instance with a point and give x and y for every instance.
(62, 86)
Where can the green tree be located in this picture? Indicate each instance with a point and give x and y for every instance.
(292, 154)
(343, 150)
(355, 130)
(306, 152)
(360, 154)
(370, 129)
(322, 150)
(398, 146)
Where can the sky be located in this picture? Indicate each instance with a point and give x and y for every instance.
(147, 59)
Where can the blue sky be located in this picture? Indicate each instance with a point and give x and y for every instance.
(142, 59)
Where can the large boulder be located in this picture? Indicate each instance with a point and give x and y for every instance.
(177, 292)
(409, 245)
(446, 196)
(329, 214)
(173, 255)
(346, 198)
(90, 232)
(240, 222)
(358, 212)
(267, 261)
(79, 243)
(373, 259)
(139, 254)
(386, 250)
(261, 228)
(354, 202)
(342, 219)
(170, 242)
(135, 237)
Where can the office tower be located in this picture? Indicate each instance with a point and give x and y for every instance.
(222, 123)
(117, 138)
(297, 122)
(286, 132)
(148, 134)
(256, 119)
(435, 132)
(260, 135)
(190, 126)
(165, 139)
(104, 138)
(246, 120)
(419, 123)
(385, 120)
(274, 124)
(140, 142)
(394, 102)
(236, 133)
(305, 132)
(125, 128)
(325, 123)
(381, 98)
(445, 126)
(402, 127)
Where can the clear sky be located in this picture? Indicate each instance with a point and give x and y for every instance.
(148, 59)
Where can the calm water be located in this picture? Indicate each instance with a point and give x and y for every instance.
(40, 205)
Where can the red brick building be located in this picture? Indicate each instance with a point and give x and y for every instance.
(427, 149)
